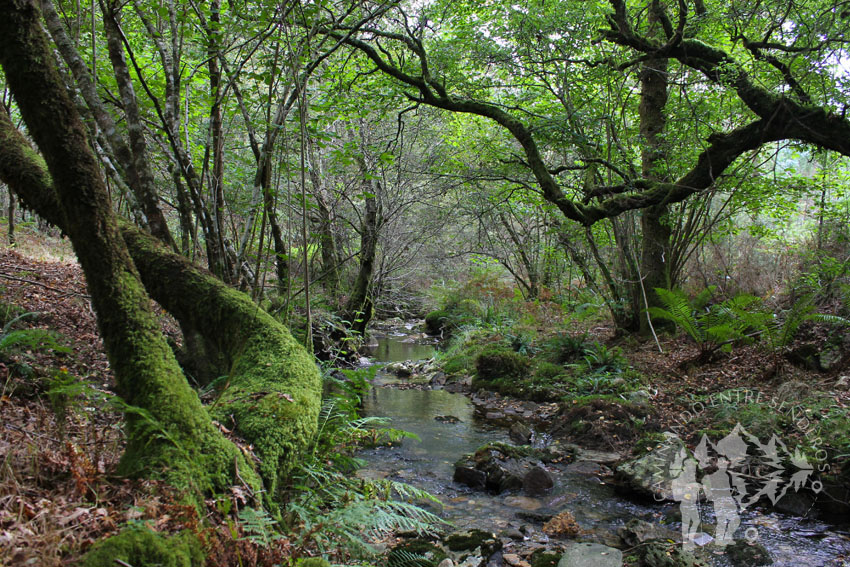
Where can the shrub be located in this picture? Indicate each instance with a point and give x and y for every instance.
(564, 348)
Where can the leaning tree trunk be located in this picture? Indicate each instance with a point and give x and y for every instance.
(274, 387)
(185, 445)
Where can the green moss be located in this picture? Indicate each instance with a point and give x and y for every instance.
(472, 540)
(542, 558)
(273, 404)
(139, 546)
(594, 399)
(548, 371)
(459, 357)
(436, 320)
(649, 441)
(273, 390)
(498, 362)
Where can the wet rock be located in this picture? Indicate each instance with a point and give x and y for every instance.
(537, 481)
(665, 554)
(523, 502)
(520, 433)
(466, 473)
(480, 543)
(800, 504)
(400, 369)
(447, 419)
(494, 415)
(589, 468)
(591, 555)
(538, 516)
(438, 379)
(512, 533)
(649, 475)
(636, 532)
(505, 467)
(743, 554)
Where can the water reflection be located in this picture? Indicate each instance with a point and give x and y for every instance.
(392, 349)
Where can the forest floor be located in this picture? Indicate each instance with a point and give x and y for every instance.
(62, 437)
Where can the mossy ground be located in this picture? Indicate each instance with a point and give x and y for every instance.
(140, 546)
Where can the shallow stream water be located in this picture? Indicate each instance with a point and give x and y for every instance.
(428, 463)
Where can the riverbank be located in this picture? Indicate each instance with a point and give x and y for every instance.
(600, 435)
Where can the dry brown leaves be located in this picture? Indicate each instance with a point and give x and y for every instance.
(563, 525)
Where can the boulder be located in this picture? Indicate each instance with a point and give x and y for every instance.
(438, 380)
(743, 554)
(660, 553)
(537, 481)
(636, 532)
(466, 473)
(520, 433)
(591, 555)
(649, 475)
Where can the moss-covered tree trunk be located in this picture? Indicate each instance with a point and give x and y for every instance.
(274, 390)
(184, 443)
(655, 232)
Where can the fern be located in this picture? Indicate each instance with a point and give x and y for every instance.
(679, 311)
(28, 339)
(711, 328)
(403, 558)
(258, 526)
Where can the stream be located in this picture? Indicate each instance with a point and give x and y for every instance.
(427, 463)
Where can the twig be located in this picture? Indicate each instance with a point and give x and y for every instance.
(57, 290)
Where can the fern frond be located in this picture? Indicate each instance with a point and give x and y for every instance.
(678, 310)
(403, 558)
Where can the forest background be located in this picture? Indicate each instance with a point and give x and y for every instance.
(520, 169)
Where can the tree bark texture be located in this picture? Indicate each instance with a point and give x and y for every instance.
(655, 232)
(274, 388)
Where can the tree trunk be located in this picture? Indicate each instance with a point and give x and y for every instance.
(358, 309)
(11, 217)
(274, 387)
(175, 436)
(655, 232)
(330, 256)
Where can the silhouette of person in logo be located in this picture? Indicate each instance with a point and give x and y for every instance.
(718, 490)
(686, 491)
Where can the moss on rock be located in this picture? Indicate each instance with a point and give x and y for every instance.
(498, 362)
(140, 546)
